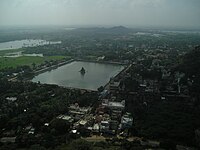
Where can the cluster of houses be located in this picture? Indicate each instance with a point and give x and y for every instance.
(109, 118)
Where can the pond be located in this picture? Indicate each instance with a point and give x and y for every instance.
(69, 75)
(25, 43)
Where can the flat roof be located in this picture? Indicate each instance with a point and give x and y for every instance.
(8, 139)
(83, 122)
(104, 122)
(116, 104)
(64, 117)
(11, 98)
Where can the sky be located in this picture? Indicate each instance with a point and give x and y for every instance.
(131, 13)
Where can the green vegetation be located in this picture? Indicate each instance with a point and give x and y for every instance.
(4, 52)
(190, 63)
(37, 104)
(190, 66)
(173, 120)
(6, 62)
(149, 87)
(113, 144)
(168, 116)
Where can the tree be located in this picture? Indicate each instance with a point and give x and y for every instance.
(80, 145)
(61, 126)
(33, 65)
(49, 141)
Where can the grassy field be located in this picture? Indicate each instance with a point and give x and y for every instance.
(4, 52)
(6, 62)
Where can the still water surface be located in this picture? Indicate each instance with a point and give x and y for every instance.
(24, 43)
(96, 75)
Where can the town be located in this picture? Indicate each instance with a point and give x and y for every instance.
(152, 103)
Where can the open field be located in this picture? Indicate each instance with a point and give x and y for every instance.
(6, 62)
(4, 52)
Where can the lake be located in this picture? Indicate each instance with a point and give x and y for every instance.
(97, 74)
(24, 43)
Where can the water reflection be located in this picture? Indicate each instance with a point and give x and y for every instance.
(69, 75)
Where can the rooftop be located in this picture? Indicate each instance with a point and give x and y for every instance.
(11, 98)
(116, 104)
(83, 122)
(8, 139)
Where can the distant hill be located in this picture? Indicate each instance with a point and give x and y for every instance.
(119, 29)
(103, 30)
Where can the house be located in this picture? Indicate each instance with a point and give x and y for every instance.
(8, 139)
(126, 121)
(83, 123)
(114, 105)
(66, 118)
(104, 93)
(11, 99)
(104, 126)
(114, 86)
(96, 128)
(114, 125)
(32, 131)
(75, 109)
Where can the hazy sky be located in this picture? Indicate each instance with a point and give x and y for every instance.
(181, 13)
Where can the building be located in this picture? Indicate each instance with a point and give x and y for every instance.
(75, 109)
(104, 93)
(11, 99)
(96, 128)
(66, 118)
(104, 126)
(114, 105)
(8, 139)
(78, 112)
(126, 121)
(114, 125)
(116, 114)
(83, 123)
(114, 86)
